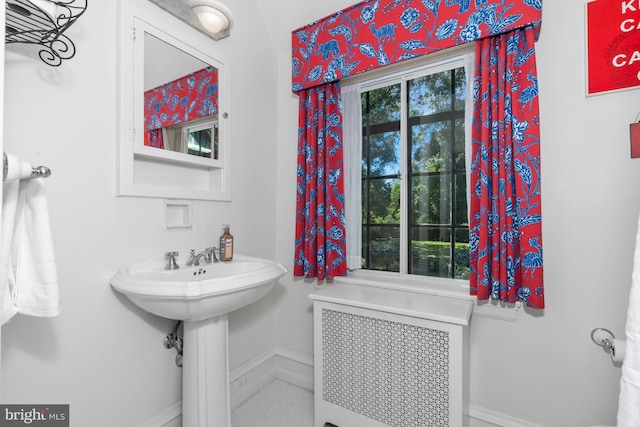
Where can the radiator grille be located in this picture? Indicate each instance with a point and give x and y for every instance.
(394, 373)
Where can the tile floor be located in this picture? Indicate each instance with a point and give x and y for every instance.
(279, 404)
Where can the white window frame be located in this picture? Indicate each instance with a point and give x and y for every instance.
(462, 56)
(186, 128)
(209, 125)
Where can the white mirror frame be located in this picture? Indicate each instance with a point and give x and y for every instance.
(152, 172)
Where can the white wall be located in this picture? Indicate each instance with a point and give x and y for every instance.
(544, 367)
(103, 356)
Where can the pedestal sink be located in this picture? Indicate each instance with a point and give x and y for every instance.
(200, 296)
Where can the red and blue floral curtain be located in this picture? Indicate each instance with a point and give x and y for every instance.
(187, 98)
(506, 221)
(320, 225)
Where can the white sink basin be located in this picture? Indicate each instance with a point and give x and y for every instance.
(200, 296)
(198, 292)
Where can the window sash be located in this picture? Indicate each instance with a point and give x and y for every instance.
(378, 80)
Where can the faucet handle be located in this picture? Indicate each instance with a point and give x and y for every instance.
(213, 252)
(171, 258)
(210, 255)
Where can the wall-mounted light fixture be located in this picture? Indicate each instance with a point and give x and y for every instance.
(214, 16)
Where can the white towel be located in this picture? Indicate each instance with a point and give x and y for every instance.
(29, 272)
(629, 401)
(7, 276)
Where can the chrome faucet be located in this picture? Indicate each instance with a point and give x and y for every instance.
(194, 259)
(209, 255)
(171, 260)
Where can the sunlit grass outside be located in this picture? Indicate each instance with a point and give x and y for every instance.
(428, 258)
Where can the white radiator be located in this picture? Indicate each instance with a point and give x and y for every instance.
(389, 358)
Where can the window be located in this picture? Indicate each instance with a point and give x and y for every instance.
(198, 137)
(202, 140)
(414, 185)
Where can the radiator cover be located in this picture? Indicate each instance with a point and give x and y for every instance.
(383, 365)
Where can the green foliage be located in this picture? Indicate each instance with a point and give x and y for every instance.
(433, 259)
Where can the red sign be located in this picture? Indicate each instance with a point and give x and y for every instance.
(613, 45)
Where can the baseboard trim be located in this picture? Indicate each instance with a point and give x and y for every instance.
(297, 369)
(276, 363)
(487, 418)
(166, 417)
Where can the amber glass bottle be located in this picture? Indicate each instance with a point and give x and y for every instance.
(226, 245)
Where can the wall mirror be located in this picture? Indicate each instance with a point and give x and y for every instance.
(174, 141)
(180, 111)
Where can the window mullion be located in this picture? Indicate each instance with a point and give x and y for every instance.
(367, 183)
(404, 179)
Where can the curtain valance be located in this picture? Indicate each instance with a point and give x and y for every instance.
(187, 98)
(372, 34)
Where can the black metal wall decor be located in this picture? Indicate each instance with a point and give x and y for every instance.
(43, 22)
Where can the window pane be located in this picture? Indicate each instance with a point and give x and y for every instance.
(461, 200)
(462, 254)
(430, 251)
(381, 105)
(384, 154)
(216, 142)
(430, 94)
(382, 201)
(459, 145)
(431, 199)
(460, 88)
(431, 147)
(365, 155)
(199, 143)
(383, 253)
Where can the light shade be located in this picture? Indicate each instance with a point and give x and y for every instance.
(215, 17)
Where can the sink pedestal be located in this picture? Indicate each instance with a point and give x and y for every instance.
(205, 373)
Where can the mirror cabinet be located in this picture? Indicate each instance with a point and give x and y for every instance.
(174, 139)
